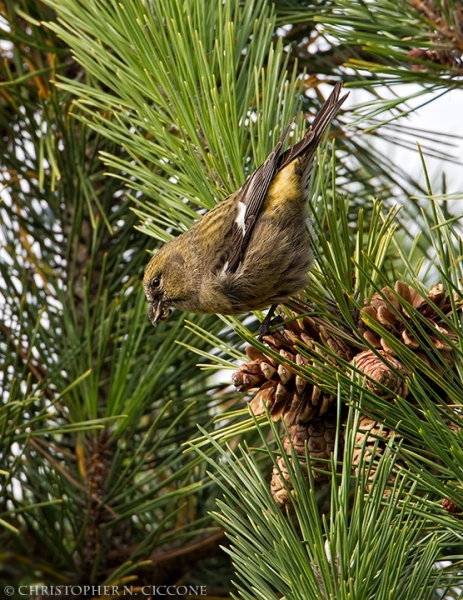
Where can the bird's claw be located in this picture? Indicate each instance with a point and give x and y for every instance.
(268, 322)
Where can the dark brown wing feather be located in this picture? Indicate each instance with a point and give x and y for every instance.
(255, 189)
(307, 147)
(317, 128)
(252, 195)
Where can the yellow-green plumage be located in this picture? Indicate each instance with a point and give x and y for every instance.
(251, 250)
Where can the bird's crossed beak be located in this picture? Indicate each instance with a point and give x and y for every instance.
(158, 312)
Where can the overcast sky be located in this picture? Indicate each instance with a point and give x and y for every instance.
(444, 116)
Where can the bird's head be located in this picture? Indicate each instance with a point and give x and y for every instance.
(165, 283)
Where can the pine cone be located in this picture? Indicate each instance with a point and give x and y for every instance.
(305, 408)
(281, 495)
(444, 31)
(386, 310)
(452, 509)
(280, 388)
(367, 447)
(320, 436)
(388, 373)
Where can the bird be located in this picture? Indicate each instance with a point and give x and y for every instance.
(253, 249)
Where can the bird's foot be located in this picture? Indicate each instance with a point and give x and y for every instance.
(268, 322)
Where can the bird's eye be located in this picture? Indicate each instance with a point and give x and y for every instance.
(156, 282)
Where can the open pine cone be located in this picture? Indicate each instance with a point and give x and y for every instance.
(279, 387)
(287, 395)
(307, 410)
(445, 27)
(370, 442)
(386, 310)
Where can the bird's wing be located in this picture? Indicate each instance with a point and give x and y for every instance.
(307, 147)
(250, 200)
(317, 128)
(252, 195)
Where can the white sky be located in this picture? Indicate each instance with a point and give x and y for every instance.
(444, 116)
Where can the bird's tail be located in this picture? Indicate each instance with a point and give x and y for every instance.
(305, 149)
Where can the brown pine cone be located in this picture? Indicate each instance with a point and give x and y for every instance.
(280, 493)
(320, 437)
(386, 310)
(452, 509)
(444, 31)
(280, 386)
(386, 372)
(367, 447)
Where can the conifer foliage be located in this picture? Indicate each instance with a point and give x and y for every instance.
(324, 462)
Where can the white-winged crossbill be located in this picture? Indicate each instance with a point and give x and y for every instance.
(253, 249)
